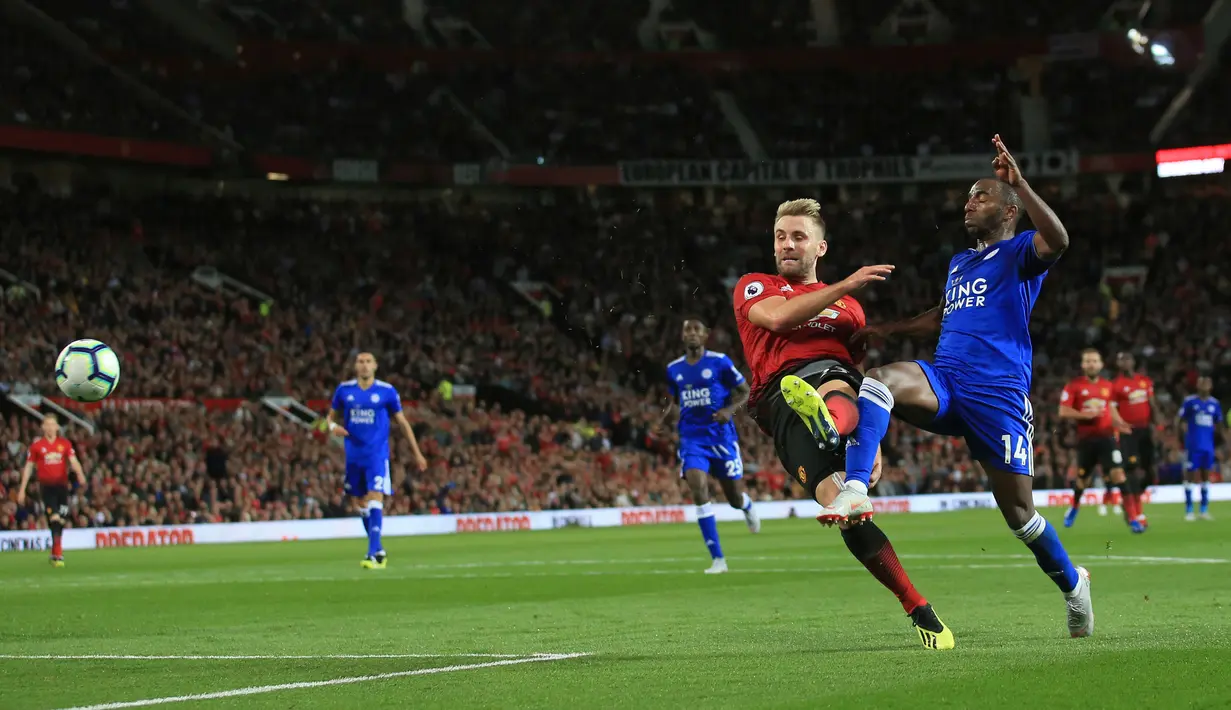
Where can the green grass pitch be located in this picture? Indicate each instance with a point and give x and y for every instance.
(489, 621)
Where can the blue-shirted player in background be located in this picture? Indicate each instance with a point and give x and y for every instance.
(365, 405)
(1200, 417)
(978, 385)
(709, 389)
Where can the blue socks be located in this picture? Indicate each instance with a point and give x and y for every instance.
(1188, 498)
(875, 404)
(1041, 538)
(709, 529)
(376, 513)
(363, 515)
(1205, 498)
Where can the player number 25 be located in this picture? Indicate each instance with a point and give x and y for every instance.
(1021, 452)
(734, 468)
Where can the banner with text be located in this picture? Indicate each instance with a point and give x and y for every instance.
(405, 525)
(837, 171)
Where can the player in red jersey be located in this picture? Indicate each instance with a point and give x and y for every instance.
(52, 455)
(795, 331)
(1132, 394)
(1086, 400)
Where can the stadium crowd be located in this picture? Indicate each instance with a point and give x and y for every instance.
(570, 391)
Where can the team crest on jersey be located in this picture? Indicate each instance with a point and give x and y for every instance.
(803, 475)
(753, 290)
(375, 398)
(350, 398)
(707, 373)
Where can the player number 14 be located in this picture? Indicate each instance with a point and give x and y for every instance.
(1020, 452)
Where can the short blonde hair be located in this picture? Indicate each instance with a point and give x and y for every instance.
(803, 207)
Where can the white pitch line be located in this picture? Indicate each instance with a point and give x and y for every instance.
(328, 657)
(397, 575)
(261, 689)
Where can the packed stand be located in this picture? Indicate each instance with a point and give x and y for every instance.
(847, 114)
(46, 87)
(319, 20)
(587, 25)
(393, 279)
(599, 113)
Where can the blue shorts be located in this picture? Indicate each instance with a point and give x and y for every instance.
(719, 461)
(1201, 460)
(368, 476)
(996, 422)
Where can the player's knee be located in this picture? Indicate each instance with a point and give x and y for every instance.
(1017, 513)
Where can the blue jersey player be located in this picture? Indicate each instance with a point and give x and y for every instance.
(365, 405)
(709, 389)
(1200, 418)
(978, 385)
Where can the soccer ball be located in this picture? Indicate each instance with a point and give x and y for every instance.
(87, 370)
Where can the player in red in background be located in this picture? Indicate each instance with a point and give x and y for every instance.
(1086, 400)
(795, 332)
(52, 455)
(1132, 394)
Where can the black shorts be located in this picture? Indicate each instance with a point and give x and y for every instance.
(794, 444)
(1102, 452)
(55, 500)
(1138, 451)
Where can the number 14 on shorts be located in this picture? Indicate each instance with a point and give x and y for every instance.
(1021, 452)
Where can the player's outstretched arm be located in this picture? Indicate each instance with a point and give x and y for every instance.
(333, 426)
(925, 323)
(1051, 238)
(75, 464)
(739, 397)
(420, 461)
(1067, 412)
(779, 314)
(25, 481)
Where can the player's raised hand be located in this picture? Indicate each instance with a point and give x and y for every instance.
(1004, 164)
(867, 275)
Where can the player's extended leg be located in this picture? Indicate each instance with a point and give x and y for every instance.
(374, 503)
(1205, 494)
(56, 525)
(699, 485)
(737, 495)
(813, 468)
(1014, 496)
(1080, 484)
(1128, 496)
(903, 387)
(1190, 476)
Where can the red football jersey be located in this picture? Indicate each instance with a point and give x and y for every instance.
(1132, 395)
(51, 460)
(769, 354)
(1086, 395)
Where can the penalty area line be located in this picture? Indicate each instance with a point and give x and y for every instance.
(261, 689)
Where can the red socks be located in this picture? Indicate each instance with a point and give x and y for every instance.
(843, 410)
(870, 546)
(888, 571)
(56, 549)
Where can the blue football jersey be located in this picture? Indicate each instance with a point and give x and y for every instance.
(1201, 416)
(365, 415)
(701, 390)
(985, 329)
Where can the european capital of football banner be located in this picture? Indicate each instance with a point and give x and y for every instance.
(837, 171)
